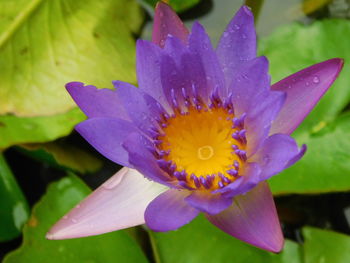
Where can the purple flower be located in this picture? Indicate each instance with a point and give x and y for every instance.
(204, 128)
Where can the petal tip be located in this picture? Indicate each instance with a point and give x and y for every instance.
(74, 84)
(247, 10)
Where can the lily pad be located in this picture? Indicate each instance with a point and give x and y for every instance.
(60, 197)
(19, 130)
(48, 43)
(325, 246)
(200, 241)
(325, 165)
(63, 155)
(14, 210)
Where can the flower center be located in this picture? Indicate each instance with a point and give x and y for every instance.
(205, 152)
(204, 148)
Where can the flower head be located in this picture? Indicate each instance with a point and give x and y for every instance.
(204, 127)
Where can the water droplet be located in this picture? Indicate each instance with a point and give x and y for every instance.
(237, 27)
(307, 83)
(77, 207)
(112, 182)
(226, 34)
(244, 36)
(315, 80)
(74, 220)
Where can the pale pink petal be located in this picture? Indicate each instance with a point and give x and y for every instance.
(304, 89)
(252, 218)
(119, 203)
(166, 22)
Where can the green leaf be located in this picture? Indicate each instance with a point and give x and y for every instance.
(60, 197)
(19, 130)
(294, 47)
(325, 246)
(14, 210)
(200, 241)
(177, 5)
(325, 166)
(63, 155)
(48, 43)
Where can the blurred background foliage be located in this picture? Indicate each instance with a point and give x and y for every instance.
(46, 168)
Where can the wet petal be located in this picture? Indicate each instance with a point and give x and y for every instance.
(137, 106)
(119, 203)
(207, 202)
(148, 71)
(169, 211)
(140, 157)
(277, 153)
(304, 89)
(106, 135)
(199, 43)
(252, 218)
(97, 102)
(251, 177)
(260, 118)
(237, 43)
(250, 85)
(166, 22)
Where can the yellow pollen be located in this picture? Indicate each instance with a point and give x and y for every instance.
(200, 143)
(205, 152)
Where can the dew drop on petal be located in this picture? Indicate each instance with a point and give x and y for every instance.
(112, 182)
(316, 80)
(237, 27)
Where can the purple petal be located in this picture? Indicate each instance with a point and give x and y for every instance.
(277, 153)
(169, 211)
(136, 105)
(258, 121)
(199, 43)
(237, 43)
(252, 218)
(304, 89)
(166, 22)
(207, 202)
(148, 71)
(250, 177)
(97, 102)
(143, 160)
(250, 85)
(106, 135)
(119, 203)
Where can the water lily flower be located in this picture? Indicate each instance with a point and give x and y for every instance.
(201, 134)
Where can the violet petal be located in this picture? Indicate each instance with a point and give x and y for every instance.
(169, 211)
(167, 22)
(304, 89)
(148, 71)
(143, 160)
(252, 218)
(277, 153)
(97, 102)
(106, 135)
(238, 43)
(117, 204)
(207, 202)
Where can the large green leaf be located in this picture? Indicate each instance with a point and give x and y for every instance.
(45, 44)
(14, 210)
(19, 130)
(325, 166)
(200, 241)
(60, 197)
(325, 246)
